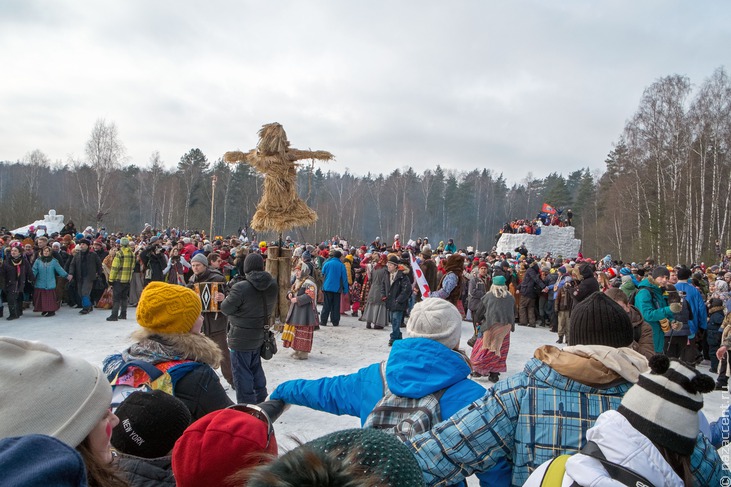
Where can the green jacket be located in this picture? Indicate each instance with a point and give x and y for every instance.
(654, 307)
(628, 287)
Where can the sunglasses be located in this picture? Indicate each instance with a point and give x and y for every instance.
(259, 413)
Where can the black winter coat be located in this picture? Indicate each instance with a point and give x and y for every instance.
(15, 281)
(399, 292)
(146, 472)
(156, 261)
(213, 323)
(246, 310)
(532, 283)
(85, 267)
(588, 284)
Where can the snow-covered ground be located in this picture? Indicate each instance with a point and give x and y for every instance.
(336, 351)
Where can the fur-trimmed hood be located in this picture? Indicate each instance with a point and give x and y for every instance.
(157, 347)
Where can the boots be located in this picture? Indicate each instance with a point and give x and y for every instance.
(300, 355)
(493, 377)
(12, 309)
(560, 339)
(471, 341)
(115, 312)
(1, 311)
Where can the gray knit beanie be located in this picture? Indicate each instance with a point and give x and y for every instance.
(45, 392)
(436, 319)
(200, 258)
(253, 262)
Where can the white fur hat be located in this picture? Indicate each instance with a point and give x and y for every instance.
(436, 319)
(45, 392)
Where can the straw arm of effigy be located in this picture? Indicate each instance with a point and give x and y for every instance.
(235, 157)
(298, 155)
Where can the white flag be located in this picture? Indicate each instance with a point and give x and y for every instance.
(419, 275)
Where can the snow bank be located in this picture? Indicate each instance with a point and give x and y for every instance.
(52, 223)
(557, 240)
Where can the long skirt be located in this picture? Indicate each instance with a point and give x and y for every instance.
(344, 303)
(298, 337)
(485, 361)
(375, 313)
(44, 300)
(136, 285)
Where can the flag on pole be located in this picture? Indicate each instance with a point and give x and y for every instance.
(548, 209)
(419, 276)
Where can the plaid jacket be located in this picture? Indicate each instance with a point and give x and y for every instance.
(528, 419)
(122, 266)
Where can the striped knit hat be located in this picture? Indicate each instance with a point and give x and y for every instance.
(664, 404)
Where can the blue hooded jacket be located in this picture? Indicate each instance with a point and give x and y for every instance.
(416, 367)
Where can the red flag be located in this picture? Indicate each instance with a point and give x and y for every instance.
(419, 275)
(548, 209)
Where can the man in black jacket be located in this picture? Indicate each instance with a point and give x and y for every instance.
(214, 324)
(84, 269)
(529, 289)
(397, 299)
(248, 306)
(588, 284)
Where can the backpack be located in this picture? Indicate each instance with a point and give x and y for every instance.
(405, 417)
(128, 376)
(553, 476)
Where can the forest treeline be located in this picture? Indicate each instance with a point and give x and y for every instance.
(665, 191)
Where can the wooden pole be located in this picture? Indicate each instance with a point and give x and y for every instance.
(272, 267)
(213, 200)
(285, 274)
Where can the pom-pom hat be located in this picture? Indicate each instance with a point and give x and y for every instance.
(664, 403)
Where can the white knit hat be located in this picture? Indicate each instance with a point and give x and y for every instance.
(44, 392)
(436, 319)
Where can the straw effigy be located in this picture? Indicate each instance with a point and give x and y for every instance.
(280, 207)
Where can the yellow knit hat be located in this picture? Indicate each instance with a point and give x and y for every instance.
(168, 308)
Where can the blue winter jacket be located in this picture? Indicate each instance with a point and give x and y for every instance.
(697, 305)
(46, 272)
(335, 276)
(653, 307)
(416, 367)
(529, 419)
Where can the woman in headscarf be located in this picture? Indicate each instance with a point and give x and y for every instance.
(302, 315)
(345, 297)
(375, 307)
(452, 282)
(45, 270)
(497, 320)
(16, 272)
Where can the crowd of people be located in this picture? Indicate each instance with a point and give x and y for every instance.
(543, 219)
(622, 397)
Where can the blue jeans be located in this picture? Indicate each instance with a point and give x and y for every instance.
(249, 378)
(396, 318)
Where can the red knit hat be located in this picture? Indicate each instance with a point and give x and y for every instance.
(218, 445)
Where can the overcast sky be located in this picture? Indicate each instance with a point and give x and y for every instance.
(513, 86)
